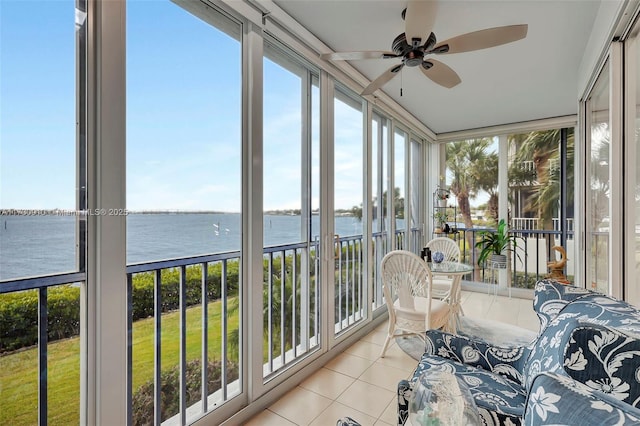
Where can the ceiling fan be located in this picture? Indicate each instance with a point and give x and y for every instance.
(413, 46)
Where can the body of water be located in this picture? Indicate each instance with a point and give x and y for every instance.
(39, 245)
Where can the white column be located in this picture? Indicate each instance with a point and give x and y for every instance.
(104, 367)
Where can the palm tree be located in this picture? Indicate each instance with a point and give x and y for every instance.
(599, 184)
(470, 166)
(472, 169)
(278, 303)
(542, 148)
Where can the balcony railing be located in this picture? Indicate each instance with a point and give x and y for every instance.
(349, 283)
(46, 332)
(533, 223)
(534, 249)
(291, 292)
(182, 290)
(188, 309)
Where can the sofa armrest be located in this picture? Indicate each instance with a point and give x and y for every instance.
(556, 399)
(508, 362)
(551, 296)
(605, 359)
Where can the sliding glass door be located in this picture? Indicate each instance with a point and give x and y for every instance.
(598, 185)
(290, 291)
(348, 198)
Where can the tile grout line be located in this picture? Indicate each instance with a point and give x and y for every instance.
(493, 302)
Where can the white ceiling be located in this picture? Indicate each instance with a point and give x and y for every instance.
(529, 79)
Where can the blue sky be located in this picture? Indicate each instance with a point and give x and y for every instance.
(183, 114)
(37, 104)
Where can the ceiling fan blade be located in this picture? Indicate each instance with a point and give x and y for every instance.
(350, 56)
(482, 39)
(419, 18)
(440, 73)
(382, 79)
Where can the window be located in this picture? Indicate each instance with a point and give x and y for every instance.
(291, 181)
(598, 228)
(38, 184)
(472, 178)
(184, 178)
(400, 140)
(539, 193)
(348, 195)
(416, 189)
(42, 205)
(379, 183)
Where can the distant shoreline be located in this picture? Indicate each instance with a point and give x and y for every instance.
(66, 212)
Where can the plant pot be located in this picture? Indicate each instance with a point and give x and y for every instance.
(498, 261)
(442, 202)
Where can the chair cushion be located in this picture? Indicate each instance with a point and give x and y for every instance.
(491, 392)
(410, 319)
(439, 311)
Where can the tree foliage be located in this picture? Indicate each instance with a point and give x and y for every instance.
(543, 181)
(398, 206)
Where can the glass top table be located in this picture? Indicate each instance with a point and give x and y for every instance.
(449, 268)
(455, 270)
(441, 398)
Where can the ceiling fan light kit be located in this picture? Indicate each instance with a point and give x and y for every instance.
(419, 17)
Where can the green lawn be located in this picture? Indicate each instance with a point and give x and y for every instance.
(19, 370)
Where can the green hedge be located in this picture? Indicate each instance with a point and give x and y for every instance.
(19, 310)
(143, 403)
(19, 316)
(143, 287)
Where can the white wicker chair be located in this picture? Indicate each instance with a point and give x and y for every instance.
(451, 251)
(407, 277)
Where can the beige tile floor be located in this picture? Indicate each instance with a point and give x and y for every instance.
(360, 384)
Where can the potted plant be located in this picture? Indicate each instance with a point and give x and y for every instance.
(494, 244)
(441, 217)
(442, 196)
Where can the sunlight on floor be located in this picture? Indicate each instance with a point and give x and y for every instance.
(338, 389)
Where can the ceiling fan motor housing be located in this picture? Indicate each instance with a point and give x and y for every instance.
(411, 56)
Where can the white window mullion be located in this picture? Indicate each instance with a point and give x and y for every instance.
(408, 238)
(391, 187)
(306, 195)
(327, 290)
(581, 155)
(252, 237)
(616, 177)
(630, 278)
(503, 201)
(367, 257)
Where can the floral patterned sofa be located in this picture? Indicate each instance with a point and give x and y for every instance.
(586, 338)
(556, 399)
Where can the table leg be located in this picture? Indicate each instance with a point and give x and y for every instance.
(456, 308)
